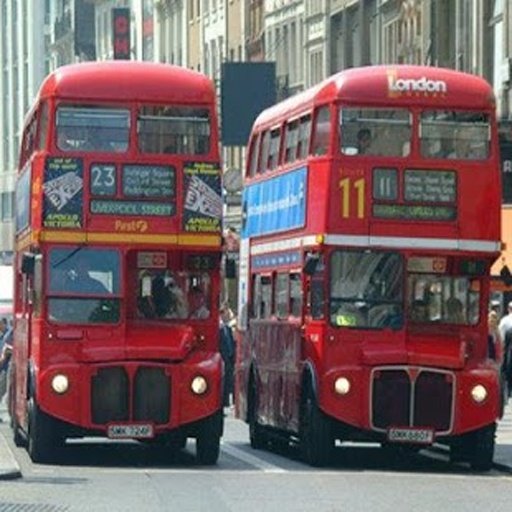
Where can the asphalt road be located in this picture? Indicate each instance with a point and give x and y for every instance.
(114, 476)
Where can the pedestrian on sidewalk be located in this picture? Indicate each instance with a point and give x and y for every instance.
(227, 351)
(505, 328)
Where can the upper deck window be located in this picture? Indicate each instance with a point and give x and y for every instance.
(291, 141)
(376, 132)
(84, 128)
(455, 135)
(304, 135)
(174, 130)
(273, 152)
(254, 153)
(322, 131)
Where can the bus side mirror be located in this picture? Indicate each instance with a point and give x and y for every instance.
(311, 263)
(28, 263)
(506, 275)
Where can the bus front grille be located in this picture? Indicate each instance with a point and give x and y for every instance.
(110, 395)
(412, 397)
(143, 395)
(151, 396)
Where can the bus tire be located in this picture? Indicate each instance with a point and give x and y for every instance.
(208, 440)
(482, 448)
(256, 434)
(316, 439)
(42, 435)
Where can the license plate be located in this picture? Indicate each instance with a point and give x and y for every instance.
(120, 431)
(411, 435)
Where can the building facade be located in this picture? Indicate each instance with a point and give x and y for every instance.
(308, 40)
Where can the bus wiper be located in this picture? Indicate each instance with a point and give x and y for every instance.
(69, 256)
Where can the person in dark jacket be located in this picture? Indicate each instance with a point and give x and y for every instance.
(227, 351)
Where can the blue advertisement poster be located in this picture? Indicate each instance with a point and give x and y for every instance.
(278, 204)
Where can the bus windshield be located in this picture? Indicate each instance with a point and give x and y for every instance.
(82, 284)
(366, 289)
(456, 135)
(379, 132)
(92, 128)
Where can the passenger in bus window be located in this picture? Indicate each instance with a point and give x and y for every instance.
(179, 306)
(364, 140)
(418, 311)
(197, 302)
(454, 311)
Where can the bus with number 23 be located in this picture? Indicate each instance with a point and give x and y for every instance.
(118, 235)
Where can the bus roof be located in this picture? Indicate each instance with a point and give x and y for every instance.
(127, 81)
(388, 86)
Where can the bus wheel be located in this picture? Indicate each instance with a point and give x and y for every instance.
(316, 440)
(256, 434)
(482, 448)
(42, 436)
(208, 440)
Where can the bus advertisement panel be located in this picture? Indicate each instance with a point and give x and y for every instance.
(118, 235)
(371, 221)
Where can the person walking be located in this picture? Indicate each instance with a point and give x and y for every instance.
(505, 328)
(227, 352)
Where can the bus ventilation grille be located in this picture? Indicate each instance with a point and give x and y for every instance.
(415, 398)
(150, 399)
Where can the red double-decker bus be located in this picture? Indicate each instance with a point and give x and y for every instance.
(118, 234)
(371, 218)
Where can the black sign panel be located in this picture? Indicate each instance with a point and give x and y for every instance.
(430, 186)
(103, 179)
(506, 170)
(63, 193)
(121, 32)
(149, 181)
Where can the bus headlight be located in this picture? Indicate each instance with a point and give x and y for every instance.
(199, 386)
(341, 385)
(479, 393)
(60, 384)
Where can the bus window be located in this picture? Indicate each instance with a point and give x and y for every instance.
(366, 289)
(264, 151)
(321, 132)
(43, 126)
(456, 135)
(92, 128)
(291, 141)
(442, 299)
(28, 141)
(281, 295)
(295, 295)
(304, 135)
(273, 153)
(266, 297)
(389, 131)
(174, 130)
(254, 154)
(83, 283)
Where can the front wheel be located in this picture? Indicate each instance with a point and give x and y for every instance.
(208, 440)
(43, 436)
(481, 453)
(256, 433)
(316, 439)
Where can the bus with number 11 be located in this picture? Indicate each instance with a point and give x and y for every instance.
(118, 239)
(371, 219)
